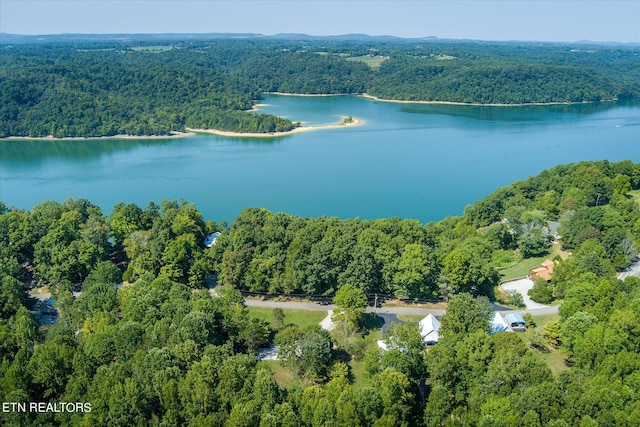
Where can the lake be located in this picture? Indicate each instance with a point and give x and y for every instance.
(407, 160)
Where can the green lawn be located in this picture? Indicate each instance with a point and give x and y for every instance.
(410, 317)
(360, 379)
(302, 318)
(522, 268)
(635, 195)
(555, 358)
(152, 49)
(281, 374)
(373, 62)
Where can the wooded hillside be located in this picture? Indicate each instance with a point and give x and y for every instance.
(106, 88)
(163, 350)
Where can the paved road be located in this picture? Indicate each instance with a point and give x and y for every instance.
(380, 310)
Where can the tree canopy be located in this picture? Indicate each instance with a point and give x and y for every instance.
(89, 88)
(148, 342)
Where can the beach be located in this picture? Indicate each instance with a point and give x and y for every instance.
(353, 122)
(191, 132)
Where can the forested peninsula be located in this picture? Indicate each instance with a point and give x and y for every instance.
(92, 87)
(147, 342)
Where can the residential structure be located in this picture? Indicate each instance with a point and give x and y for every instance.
(542, 272)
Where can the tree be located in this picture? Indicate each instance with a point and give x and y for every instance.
(463, 317)
(278, 318)
(416, 273)
(51, 365)
(351, 303)
(125, 219)
(405, 351)
(552, 333)
(11, 296)
(574, 328)
(397, 400)
(467, 268)
(533, 241)
(541, 291)
(308, 353)
(25, 329)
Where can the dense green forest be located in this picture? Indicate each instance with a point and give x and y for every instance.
(163, 350)
(137, 87)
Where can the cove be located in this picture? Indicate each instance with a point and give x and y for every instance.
(422, 161)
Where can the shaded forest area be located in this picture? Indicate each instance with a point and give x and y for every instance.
(163, 350)
(107, 88)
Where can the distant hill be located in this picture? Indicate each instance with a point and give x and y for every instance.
(7, 38)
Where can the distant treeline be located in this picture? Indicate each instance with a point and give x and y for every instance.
(107, 88)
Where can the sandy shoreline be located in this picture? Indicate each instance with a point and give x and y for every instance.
(174, 134)
(354, 122)
(477, 104)
(308, 94)
(192, 132)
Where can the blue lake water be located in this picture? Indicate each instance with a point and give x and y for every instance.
(406, 160)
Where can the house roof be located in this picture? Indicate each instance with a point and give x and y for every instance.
(515, 319)
(543, 271)
(429, 329)
(210, 240)
(548, 264)
(498, 324)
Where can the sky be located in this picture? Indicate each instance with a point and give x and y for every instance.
(533, 20)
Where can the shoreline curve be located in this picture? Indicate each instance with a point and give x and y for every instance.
(478, 104)
(191, 132)
(354, 122)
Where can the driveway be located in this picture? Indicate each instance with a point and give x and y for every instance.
(522, 286)
(387, 320)
(632, 270)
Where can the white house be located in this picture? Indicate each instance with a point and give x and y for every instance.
(429, 329)
(498, 324)
(210, 240)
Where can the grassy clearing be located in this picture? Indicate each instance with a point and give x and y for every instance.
(522, 268)
(281, 374)
(373, 62)
(431, 306)
(302, 318)
(360, 378)
(554, 358)
(410, 317)
(635, 195)
(152, 49)
(545, 318)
